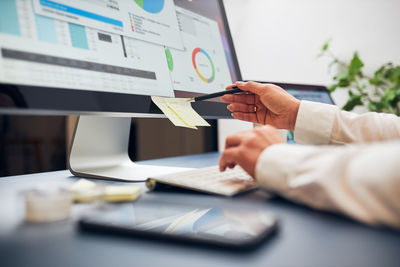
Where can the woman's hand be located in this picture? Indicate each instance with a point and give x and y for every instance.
(244, 148)
(266, 104)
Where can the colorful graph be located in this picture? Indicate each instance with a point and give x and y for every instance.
(195, 52)
(151, 6)
(170, 60)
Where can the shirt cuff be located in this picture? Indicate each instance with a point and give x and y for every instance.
(276, 164)
(314, 123)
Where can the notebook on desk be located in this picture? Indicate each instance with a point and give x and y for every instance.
(208, 180)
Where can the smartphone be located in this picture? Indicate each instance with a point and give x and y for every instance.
(233, 226)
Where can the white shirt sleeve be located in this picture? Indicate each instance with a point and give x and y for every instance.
(326, 124)
(359, 180)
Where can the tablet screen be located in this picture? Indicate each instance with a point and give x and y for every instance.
(232, 224)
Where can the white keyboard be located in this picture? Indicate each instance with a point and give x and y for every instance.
(209, 180)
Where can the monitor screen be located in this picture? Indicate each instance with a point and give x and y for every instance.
(77, 56)
(321, 96)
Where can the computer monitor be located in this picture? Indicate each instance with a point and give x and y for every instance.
(110, 56)
(107, 57)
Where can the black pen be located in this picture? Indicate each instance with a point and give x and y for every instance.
(234, 90)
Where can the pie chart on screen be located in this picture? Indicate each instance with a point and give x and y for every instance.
(203, 65)
(151, 6)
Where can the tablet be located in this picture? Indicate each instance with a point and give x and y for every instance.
(234, 226)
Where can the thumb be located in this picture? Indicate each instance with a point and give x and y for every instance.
(252, 87)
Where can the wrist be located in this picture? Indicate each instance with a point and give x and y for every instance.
(293, 114)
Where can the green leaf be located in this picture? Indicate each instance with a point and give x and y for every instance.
(341, 76)
(379, 75)
(324, 48)
(332, 88)
(344, 83)
(371, 106)
(394, 97)
(354, 100)
(375, 106)
(376, 81)
(355, 65)
(389, 95)
(343, 79)
(326, 45)
(393, 75)
(380, 71)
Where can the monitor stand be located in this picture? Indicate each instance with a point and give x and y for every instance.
(99, 149)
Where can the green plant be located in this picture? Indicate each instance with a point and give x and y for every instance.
(379, 93)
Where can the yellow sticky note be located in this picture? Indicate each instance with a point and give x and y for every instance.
(121, 193)
(162, 103)
(183, 108)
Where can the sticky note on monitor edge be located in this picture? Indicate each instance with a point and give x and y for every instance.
(179, 111)
(185, 111)
(162, 104)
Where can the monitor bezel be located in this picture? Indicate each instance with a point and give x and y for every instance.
(38, 100)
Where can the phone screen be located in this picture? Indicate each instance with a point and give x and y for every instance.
(229, 225)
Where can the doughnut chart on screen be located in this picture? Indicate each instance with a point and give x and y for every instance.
(197, 51)
(201, 66)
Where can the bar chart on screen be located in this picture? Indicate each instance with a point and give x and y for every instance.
(91, 59)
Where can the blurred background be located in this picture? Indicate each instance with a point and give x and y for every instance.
(275, 41)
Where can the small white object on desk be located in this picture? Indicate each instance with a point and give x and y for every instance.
(47, 205)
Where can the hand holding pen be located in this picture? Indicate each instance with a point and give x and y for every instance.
(263, 104)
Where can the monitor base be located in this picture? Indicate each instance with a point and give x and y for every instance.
(99, 149)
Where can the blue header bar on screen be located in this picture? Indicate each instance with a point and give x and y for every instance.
(80, 12)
